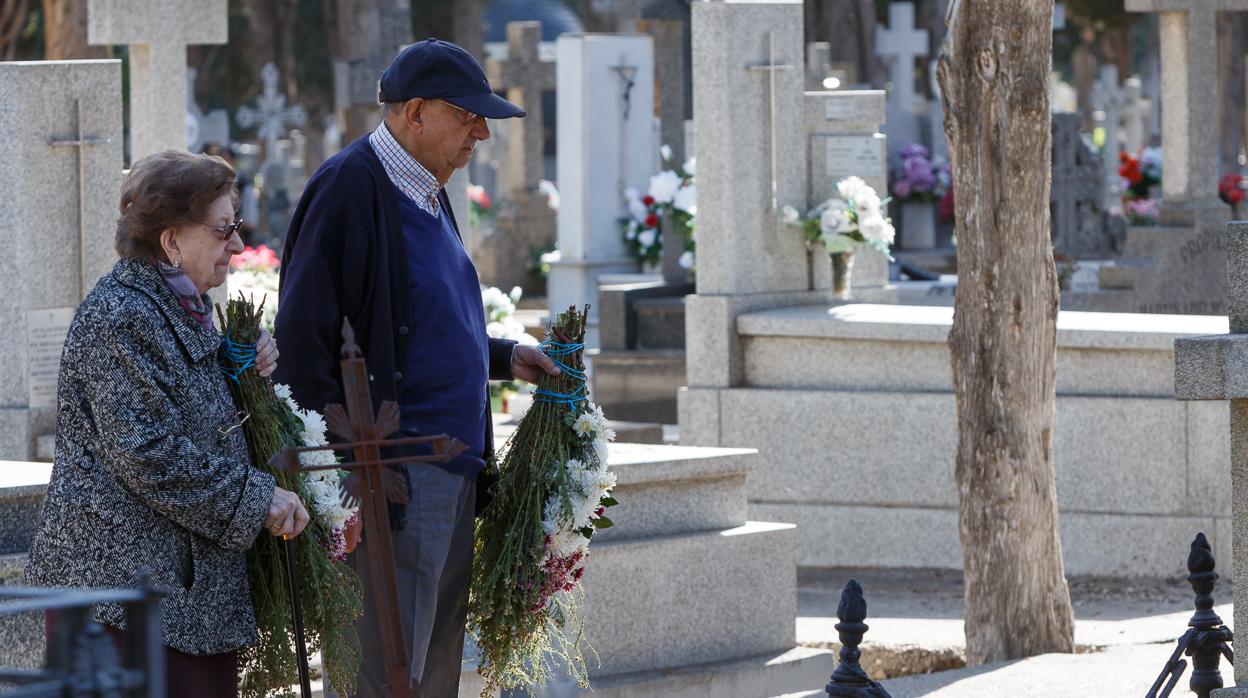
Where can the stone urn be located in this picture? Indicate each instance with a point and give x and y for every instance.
(918, 225)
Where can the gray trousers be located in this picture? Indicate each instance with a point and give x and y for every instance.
(433, 566)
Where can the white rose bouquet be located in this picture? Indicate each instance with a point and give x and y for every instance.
(856, 218)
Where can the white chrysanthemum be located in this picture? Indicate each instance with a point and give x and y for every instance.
(665, 151)
(835, 218)
(314, 428)
(690, 167)
(567, 543)
(282, 390)
(636, 208)
(686, 259)
(664, 185)
(585, 425)
(686, 199)
(789, 214)
(647, 238)
(849, 187)
(601, 449)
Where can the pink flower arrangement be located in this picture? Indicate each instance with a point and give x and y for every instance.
(258, 258)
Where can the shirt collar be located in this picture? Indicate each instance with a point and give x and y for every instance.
(408, 175)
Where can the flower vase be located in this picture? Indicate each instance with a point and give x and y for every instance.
(842, 269)
(918, 225)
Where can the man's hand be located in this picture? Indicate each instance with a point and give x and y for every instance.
(528, 363)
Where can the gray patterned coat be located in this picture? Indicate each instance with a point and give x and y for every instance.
(143, 477)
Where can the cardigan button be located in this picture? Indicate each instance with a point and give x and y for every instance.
(398, 376)
(403, 330)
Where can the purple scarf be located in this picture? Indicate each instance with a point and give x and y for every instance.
(189, 297)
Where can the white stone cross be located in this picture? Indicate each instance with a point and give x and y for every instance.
(272, 114)
(1189, 62)
(1108, 101)
(1216, 368)
(1135, 113)
(78, 142)
(770, 68)
(157, 34)
(899, 45)
(525, 76)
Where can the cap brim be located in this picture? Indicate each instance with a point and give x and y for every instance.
(491, 106)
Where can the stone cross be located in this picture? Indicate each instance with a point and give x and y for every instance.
(1108, 101)
(1216, 368)
(899, 45)
(157, 34)
(1135, 112)
(1076, 194)
(770, 68)
(525, 76)
(78, 142)
(202, 128)
(1189, 62)
(271, 113)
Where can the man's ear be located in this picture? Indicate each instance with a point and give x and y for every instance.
(413, 113)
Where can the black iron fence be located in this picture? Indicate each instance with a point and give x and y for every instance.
(82, 659)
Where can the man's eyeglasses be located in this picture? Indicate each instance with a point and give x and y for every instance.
(223, 232)
(466, 117)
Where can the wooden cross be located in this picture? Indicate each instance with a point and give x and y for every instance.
(78, 142)
(272, 114)
(366, 434)
(771, 68)
(524, 75)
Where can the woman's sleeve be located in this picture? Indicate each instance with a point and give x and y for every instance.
(128, 386)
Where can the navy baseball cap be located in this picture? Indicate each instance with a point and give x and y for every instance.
(435, 69)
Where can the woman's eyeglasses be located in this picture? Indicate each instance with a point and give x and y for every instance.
(223, 232)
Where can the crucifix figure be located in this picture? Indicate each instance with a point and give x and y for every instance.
(272, 114)
(770, 68)
(628, 78)
(78, 142)
(366, 435)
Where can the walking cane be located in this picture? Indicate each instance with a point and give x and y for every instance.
(301, 650)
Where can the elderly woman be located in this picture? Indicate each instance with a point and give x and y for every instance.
(151, 470)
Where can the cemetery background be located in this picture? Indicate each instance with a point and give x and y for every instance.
(803, 95)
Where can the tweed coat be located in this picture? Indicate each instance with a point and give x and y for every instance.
(143, 475)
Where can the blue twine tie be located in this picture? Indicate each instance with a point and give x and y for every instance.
(242, 356)
(554, 350)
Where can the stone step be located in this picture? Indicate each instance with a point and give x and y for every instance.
(638, 385)
(670, 602)
(660, 323)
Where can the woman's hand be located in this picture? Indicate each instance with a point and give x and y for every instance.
(287, 517)
(266, 354)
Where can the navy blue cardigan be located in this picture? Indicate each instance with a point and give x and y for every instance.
(345, 256)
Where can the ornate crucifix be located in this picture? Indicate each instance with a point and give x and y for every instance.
(770, 67)
(78, 142)
(628, 78)
(366, 434)
(272, 114)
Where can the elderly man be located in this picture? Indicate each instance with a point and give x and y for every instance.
(374, 240)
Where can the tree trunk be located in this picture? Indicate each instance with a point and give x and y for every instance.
(65, 31)
(994, 74)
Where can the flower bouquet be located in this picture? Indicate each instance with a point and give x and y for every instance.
(920, 179)
(532, 541)
(501, 323)
(254, 273)
(671, 193)
(857, 218)
(1143, 212)
(1231, 190)
(1141, 173)
(329, 591)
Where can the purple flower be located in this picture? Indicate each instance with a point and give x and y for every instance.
(914, 150)
(901, 188)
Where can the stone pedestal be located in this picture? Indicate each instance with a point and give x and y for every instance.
(61, 132)
(23, 487)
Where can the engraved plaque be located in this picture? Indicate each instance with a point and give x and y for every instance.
(45, 338)
(861, 156)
